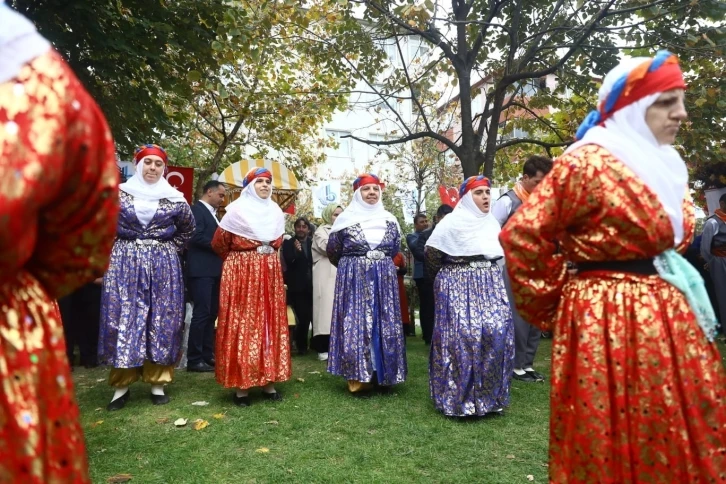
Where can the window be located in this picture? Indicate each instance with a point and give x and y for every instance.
(417, 51)
(391, 50)
(343, 149)
(375, 150)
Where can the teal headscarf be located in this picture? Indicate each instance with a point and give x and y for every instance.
(327, 214)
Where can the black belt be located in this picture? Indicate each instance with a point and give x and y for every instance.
(636, 266)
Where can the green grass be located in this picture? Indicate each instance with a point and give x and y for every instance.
(319, 433)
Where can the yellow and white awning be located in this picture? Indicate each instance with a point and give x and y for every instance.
(282, 177)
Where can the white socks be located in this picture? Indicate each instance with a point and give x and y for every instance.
(519, 371)
(120, 392)
(242, 393)
(157, 389)
(529, 368)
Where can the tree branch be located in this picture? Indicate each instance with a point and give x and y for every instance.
(531, 141)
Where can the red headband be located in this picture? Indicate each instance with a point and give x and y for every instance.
(367, 179)
(473, 182)
(150, 150)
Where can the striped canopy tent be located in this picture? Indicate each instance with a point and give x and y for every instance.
(284, 183)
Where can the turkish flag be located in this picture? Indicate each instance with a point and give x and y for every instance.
(182, 179)
(290, 209)
(449, 195)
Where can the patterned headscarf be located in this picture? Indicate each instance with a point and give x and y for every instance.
(473, 182)
(150, 150)
(256, 173)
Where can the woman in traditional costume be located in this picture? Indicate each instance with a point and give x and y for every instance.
(323, 283)
(472, 350)
(638, 385)
(142, 303)
(58, 208)
(253, 343)
(367, 346)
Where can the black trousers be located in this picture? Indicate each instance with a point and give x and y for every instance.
(204, 292)
(302, 304)
(81, 314)
(426, 308)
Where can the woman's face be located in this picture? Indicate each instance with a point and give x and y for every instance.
(263, 187)
(336, 212)
(152, 167)
(371, 193)
(665, 115)
(482, 196)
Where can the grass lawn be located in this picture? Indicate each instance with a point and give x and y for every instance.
(319, 433)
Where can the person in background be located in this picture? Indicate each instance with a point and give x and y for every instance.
(204, 271)
(526, 336)
(713, 251)
(420, 223)
(298, 256)
(367, 345)
(472, 349)
(400, 262)
(142, 302)
(637, 379)
(253, 343)
(426, 286)
(80, 312)
(58, 209)
(323, 283)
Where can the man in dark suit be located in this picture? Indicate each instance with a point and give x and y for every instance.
(420, 223)
(204, 271)
(297, 253)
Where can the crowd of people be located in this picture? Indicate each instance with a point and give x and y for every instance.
(586, 247)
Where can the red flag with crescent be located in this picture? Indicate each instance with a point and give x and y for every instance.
(182, 178)
(449, 195)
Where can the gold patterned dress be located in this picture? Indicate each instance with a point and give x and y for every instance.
(58, 208)
(637, 390)
(253, 343)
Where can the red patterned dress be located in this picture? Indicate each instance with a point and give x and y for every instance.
(637, 390)
(58, 207)
(253, 342)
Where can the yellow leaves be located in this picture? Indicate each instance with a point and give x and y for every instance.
(273, 422)
(96, 424)
(219, 416)
(200, 424)
(262, 450)
(162, 420)
(119, 478)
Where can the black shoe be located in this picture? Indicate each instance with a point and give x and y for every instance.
(525, 378)
(120, 402)
(302, 353)
(241, 401)
(536, 375)
(160, 399)
(274, 396)
(211, 362)
(200, 367)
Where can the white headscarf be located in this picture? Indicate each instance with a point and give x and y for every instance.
(372, 218)
(19, 42)
(147, 195)
(627, 136)
(467, 231)
(254, 218)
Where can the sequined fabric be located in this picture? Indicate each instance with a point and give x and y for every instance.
(366, 333)
(472, 349)
(142, 303)
(253, 342)
(58, 207)
(637, 391)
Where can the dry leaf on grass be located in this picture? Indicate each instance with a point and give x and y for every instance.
(301, 380)
(99, 380)
(162, 420)
(99, 409)
(200, 404)
(119, 478)
(314, 372)
(530, 477)
(200, 424)
(510, 456)
(262, 450)
(273, 422)
(219, 416)
(96, 424)
(180, 422)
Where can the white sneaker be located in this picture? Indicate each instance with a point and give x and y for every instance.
(322, 356)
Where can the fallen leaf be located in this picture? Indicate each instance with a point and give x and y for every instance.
(200, 424)
(297, 395)
(180, 422)
(99, 409)
(262, 450)
(96, 424)
(273, 422)
(510, 456)
(314, 372)
(218, 416)
(530, 477)
(119, 478)
(100, 380)
(301, 380)
(201, 404)
(162, 420)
